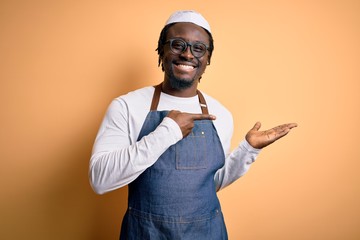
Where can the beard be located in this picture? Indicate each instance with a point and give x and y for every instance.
(180, 83)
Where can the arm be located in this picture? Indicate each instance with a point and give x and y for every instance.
(115, 162)
(239, 161)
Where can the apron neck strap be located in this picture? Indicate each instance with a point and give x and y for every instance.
(156, 98)
(202, 102)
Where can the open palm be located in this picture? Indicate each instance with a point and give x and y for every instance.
(260, 139)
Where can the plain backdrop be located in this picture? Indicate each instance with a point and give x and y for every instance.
(62, 62)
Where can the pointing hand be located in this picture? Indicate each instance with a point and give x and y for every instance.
(186, 120)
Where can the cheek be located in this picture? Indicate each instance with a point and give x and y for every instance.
(167, 55)
(167, 58)
(166, 62)
(202, 65)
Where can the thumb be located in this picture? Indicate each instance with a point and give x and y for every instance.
(257, 126)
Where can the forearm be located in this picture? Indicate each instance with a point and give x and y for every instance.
(113, 169)
(236, 165)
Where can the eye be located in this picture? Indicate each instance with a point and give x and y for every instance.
(178, 45)
(199, 47)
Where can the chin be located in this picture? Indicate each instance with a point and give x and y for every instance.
(180, 84)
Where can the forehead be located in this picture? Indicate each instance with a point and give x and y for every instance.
(189, 32)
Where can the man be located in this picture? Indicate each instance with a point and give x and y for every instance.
(164, 144)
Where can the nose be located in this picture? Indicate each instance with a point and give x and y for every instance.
(187, 53)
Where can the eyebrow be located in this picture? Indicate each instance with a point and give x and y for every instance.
(188, 41)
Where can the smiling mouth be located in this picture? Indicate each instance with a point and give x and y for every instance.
(185, 67)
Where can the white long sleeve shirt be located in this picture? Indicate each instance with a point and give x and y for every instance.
(118, 158)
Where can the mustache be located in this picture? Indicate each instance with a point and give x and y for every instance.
(196, 62)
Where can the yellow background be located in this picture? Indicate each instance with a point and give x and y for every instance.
(62, 62)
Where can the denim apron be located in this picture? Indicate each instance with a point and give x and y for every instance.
(176, 198)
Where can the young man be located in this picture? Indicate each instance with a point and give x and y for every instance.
(167, 145)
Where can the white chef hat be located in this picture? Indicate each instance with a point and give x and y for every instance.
(189, 16)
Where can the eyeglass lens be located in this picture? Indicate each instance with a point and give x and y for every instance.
(179, 46)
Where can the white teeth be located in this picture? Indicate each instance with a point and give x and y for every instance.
(186, 66)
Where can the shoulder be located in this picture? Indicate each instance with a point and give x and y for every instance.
(135, 101)
(140, 96)
(129, 111)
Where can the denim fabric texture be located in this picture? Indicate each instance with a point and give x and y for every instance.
(176, 198)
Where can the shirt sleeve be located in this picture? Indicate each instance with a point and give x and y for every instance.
(237, 163)
(115, 162)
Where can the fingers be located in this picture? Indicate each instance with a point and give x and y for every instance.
(285, 127)
(257, 126)
(186, 120)
(282, 130)
(292, 125)
(202, 116)
(192, 116)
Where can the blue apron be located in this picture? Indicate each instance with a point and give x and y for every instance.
(176, 198)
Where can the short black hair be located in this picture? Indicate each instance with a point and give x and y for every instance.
(162, 40)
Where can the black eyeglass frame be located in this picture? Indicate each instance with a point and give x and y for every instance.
(187, 44)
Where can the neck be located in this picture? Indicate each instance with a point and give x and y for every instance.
(188, 92)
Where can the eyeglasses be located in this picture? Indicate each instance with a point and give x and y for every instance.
(178, 46)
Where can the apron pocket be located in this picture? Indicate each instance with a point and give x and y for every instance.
(191, 151)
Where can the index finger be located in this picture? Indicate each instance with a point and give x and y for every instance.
(291, 125)
(195, 116)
